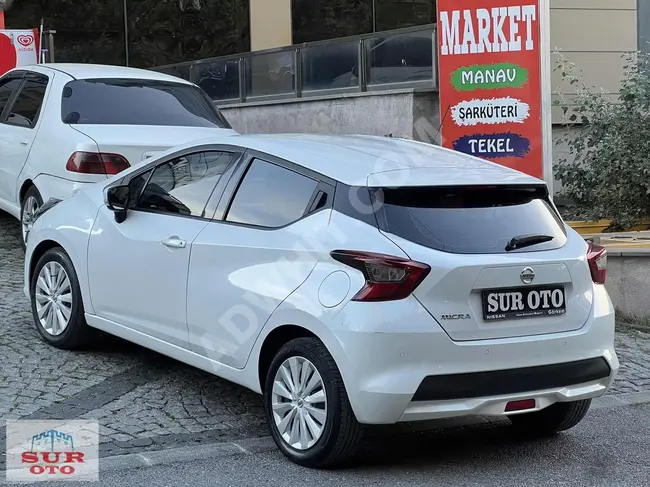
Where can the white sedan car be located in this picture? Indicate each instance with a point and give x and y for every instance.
(351, 280)
(65, 125)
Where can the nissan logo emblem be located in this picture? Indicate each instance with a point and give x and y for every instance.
(527, 275)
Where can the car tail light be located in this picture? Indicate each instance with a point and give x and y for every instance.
(96, 163)
(597, 258)
(388, 278)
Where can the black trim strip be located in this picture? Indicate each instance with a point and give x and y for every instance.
(512, 381)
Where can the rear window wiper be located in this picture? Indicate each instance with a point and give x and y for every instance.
(527, 241)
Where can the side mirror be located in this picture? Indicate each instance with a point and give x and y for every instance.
(355, 71)
(117, 200)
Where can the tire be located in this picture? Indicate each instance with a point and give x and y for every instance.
(31, 201)
(76, 334)
(561, 416)
(340, 432)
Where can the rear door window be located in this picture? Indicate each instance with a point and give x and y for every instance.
(8, 86)
(27, 105)
(271, 196)
(138, 102)
(471, 219)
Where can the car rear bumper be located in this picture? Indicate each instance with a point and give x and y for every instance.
(511, 381)
(496, 405)
(419, 373)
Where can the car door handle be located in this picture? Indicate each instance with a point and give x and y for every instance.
(174, 242)
(24, 142)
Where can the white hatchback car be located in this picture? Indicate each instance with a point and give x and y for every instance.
(352, 280)
(64, 125)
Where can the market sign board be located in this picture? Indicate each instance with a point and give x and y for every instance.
(18, 48)
(490, 81)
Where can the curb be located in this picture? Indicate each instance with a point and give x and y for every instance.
(186, 454)
(632, 326)
(266, 444)
(620, 400)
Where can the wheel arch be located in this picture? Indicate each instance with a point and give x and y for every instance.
(28, 183)
(286, 324)
(273, 342)
(39, 251)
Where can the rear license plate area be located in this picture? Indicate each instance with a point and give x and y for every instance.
(521, 303)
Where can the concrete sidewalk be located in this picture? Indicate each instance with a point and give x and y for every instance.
(622, 241)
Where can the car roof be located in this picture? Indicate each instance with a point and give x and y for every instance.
(361, 160)
(90, 71)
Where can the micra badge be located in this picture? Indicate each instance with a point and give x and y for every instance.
(456, 317)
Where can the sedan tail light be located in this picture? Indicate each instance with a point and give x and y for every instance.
(388, 278)
(96, 163)
(597, 258)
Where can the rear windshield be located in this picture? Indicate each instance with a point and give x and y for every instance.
(138, 102)
(471, 219)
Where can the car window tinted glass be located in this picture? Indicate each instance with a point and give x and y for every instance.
(470, 219)
(7, 87)
(27, 105)
(183, 185)
(271, 196)
(138, 102)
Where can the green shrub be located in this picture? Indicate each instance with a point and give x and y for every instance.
(607, 173)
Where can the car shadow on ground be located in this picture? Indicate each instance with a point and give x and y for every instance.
(490, 444)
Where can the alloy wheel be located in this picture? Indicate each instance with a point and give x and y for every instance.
(299, 403)
(53, 297)
(29, 210)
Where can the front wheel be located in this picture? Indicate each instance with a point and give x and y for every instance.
(560, 416)
(57, 305)
(307, 406)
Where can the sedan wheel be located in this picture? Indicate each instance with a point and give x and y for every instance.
(307, 406)
(299, 403)
(29, 205)
(57, 305)
(29, 209)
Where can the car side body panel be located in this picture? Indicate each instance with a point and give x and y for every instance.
(79, 216)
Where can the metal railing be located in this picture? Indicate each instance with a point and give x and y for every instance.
(403, 58)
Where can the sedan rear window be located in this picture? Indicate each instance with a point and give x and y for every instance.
(138, 102)
(472, 219)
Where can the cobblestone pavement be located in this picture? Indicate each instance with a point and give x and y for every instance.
(143, 400)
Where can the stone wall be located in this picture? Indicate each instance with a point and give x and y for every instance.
(371, 113)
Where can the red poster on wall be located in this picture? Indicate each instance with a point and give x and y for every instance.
(490, 94)
(18, 48)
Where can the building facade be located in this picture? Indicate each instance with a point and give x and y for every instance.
(594, 34)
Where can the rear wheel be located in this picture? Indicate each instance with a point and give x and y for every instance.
(307, 406)
(560, 416)
(31, 202)
(56, 302)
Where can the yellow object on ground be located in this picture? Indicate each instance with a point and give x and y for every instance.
(599, 226)
(590, 228)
